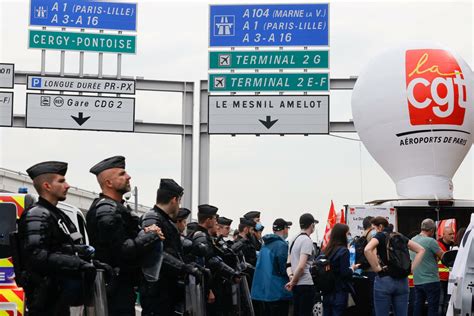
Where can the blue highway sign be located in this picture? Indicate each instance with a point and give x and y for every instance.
(269, 25)
(84, 14)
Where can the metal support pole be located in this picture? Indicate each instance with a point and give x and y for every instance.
(43, 60)
(81, 63)
(119, 63)
(187, 148)
(204, 145)
(101, 62)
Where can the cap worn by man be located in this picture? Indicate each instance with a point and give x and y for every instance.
(171, 186)
(306, 220)
(224, 221)
(247, 222)
(183, 213)
(280, 224)
(252, 215)
(55, 167)
(108, 163)
(206, 209)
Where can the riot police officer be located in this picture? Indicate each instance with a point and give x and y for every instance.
(226, 298)
(223, 227)
(165, 295)
(181, 219)
(254, 237)
(114, 232)
(243, 244)
(46, 244)
(204, 249)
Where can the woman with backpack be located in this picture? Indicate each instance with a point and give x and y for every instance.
(387, 253)
(335, 302)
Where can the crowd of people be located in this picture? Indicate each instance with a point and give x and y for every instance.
(198, 268)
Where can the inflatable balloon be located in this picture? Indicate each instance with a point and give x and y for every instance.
(413, 108)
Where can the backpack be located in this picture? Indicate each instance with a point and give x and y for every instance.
(313, 269)
(398, 257)
(359, 245)
(324, 278)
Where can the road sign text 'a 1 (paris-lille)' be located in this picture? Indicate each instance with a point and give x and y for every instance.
(269, 25)
(103, 15)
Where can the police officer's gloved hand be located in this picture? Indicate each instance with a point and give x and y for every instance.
(236, 277)
(89, 271)
(193, 270)
(85, 252)
(108, 270)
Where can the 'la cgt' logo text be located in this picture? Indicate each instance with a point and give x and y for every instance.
(436, 88)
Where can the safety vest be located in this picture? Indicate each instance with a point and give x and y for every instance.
(443, 270)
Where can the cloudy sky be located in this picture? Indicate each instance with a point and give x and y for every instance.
(281, 176)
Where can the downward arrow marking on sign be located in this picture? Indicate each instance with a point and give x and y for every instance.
(268, 123)
(80, 119)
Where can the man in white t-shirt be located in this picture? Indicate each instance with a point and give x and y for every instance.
(301, 254)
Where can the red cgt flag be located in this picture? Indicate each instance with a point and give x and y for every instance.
(332, 219)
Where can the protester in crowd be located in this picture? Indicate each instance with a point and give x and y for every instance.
(389, 288)
(446, 242)
(300, 257)
(270, 273)
(258, 233)
(411, 285)
(459, 236)
(364, 286)
(425, 275)
(335, 303)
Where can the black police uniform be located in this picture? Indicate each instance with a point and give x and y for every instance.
(52, 275)
(223, 287)
(162, 297)
(251, 216)
(206, 253)
(113, 231)
(183, 213)
(244, 247)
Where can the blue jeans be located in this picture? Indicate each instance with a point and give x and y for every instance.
(388, 292)
(427, 292)
(335, 304)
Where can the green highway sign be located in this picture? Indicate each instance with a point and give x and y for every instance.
(268, 59)
(106, 43)
(234, 82)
